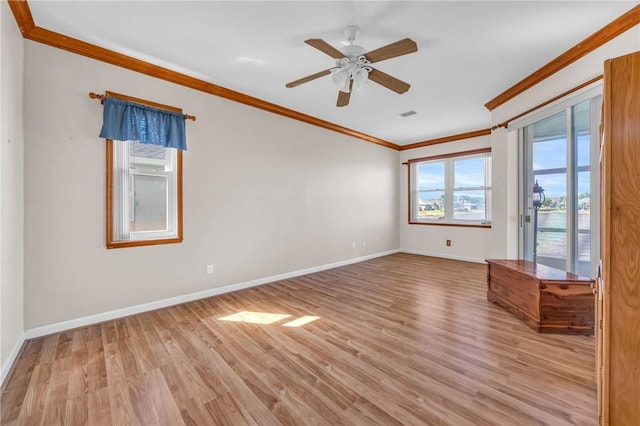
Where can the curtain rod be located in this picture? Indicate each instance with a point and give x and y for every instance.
(101, 97)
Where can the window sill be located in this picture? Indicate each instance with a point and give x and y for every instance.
(134, 243)
(463, 225)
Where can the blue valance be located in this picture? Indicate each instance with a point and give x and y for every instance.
(129, 121)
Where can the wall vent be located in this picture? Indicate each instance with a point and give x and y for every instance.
(408, 113)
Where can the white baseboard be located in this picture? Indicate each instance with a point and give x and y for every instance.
(119, 313)
(8, 363)
(445, 256)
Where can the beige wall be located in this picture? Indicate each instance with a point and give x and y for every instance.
(263, 195)
(11, 189)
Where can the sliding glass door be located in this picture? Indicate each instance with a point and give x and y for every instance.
(560, 188)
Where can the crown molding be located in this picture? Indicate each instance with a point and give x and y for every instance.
(22, 15)
(452, 138)
(620, 25)
(24, 19)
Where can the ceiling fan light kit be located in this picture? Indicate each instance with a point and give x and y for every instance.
(353, 65)
(350, 69)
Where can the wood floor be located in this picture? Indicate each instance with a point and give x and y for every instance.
(402, 339)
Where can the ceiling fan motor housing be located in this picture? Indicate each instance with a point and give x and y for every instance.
(351, 71)
(353, 51)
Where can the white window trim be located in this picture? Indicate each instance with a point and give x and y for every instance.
(168, 173)
(449, 189)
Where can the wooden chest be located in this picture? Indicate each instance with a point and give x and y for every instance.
(547, 299)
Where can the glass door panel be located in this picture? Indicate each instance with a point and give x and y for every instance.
(584, 224)
(546, 164)
(551, 230)
(558, 154)
(582, 122)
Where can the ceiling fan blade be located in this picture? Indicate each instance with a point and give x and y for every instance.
(325, 47)
(343, 97)
(308, 78)
(392, 50)
(388, 81)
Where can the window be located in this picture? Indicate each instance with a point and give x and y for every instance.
(145, 141)
(144, 194)
(452, 189)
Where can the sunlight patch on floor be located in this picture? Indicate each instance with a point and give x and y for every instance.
(255, 317)
(268, 318)
(301, 321)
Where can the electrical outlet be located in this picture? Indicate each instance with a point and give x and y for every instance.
(364, 244)
(353, 244)
(209, 269)
(448, 243)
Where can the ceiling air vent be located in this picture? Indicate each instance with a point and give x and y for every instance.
(408, 113)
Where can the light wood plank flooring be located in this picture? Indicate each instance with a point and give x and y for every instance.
(402, 339)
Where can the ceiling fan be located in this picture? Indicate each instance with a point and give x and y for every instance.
(353, 65)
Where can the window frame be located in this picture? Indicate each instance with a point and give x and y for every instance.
(449, 189)
(111, 243)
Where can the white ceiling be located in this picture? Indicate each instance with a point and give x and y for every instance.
(468, 52)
